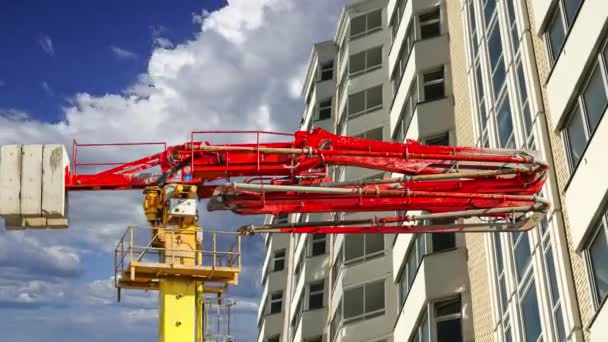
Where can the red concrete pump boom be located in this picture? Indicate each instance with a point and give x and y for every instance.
(438, 183)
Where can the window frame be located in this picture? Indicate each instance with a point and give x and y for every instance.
(325, 104)
(367, 30)
(434, 82)
(366, 68)
(599, 61)
(559, 7)
(324, 68)
(276, 258)
(600, 224)
(316, 292)
(366, 109)
(430, 22)
(272, 301)
(321, 238)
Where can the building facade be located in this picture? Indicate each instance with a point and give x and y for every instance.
(526, 74)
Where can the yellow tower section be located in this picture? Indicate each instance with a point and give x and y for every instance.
(180, 259)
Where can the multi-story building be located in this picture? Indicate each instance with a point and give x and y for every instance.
(526, 74)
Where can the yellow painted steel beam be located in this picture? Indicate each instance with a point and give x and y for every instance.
(177, 310)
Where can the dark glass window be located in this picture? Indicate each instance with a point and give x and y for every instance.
(325, 109)
(434, 85)
(279, 260)
(276, 302)
(531, 316)
(430, 24)
(594, 98)
(315, 297)
(576, 136)
(598, 255)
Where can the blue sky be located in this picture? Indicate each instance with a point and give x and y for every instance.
(117, 71)
(83, 46)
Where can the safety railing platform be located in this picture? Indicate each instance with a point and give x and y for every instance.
(140, 261)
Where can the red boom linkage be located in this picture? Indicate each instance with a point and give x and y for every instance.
(431, 183)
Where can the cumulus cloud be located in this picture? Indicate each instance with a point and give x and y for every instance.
(121, 53)
(46, 44)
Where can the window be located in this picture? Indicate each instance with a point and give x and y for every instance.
(363, 302)
(513, 25)
(505, 124)
(317, 244)
(279, 260)
(531, 316)
(404, 55)
(336, 321)
(434, 85)
(276, 338)
(362, 247)
(443, 241)
(587, 110)
(576, 135)
(297, 315)
(327, 71)
(521, 250)
(560, 24)
(497, 65)
(315, 295)
(448, 317)
(597, 254)
(365, 24)
(365, 61)
(410, 266)
(489, 8)
(423, 333)
(365, 101)
(430, 24)
(325, 109)
(276, 302)
(407, 112)
(335, 268)
(397, 16)
(442, 139)
(281, 219)
(373, 134)
(594, 97)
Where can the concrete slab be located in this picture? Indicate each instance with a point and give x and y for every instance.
(10, 180)
(31, 181)
(14, 223)
(54, 198)
(56, 223)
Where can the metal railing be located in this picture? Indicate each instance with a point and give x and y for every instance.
(213, 249)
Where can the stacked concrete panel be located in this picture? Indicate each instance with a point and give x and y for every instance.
(32, 186)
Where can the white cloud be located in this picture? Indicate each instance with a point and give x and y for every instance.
(46, 43)
(139, 315)
(121, 53)
(47, 88)
(162, 42)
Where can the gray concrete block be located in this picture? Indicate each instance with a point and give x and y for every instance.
(55, 162)
(56, 223)
(35, 222)
(31, 180)
(10, 180)
(14, 223)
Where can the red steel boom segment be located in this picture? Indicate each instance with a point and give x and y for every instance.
(443, 182)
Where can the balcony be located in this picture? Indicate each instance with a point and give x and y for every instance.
(439, 275)
(426, 54)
